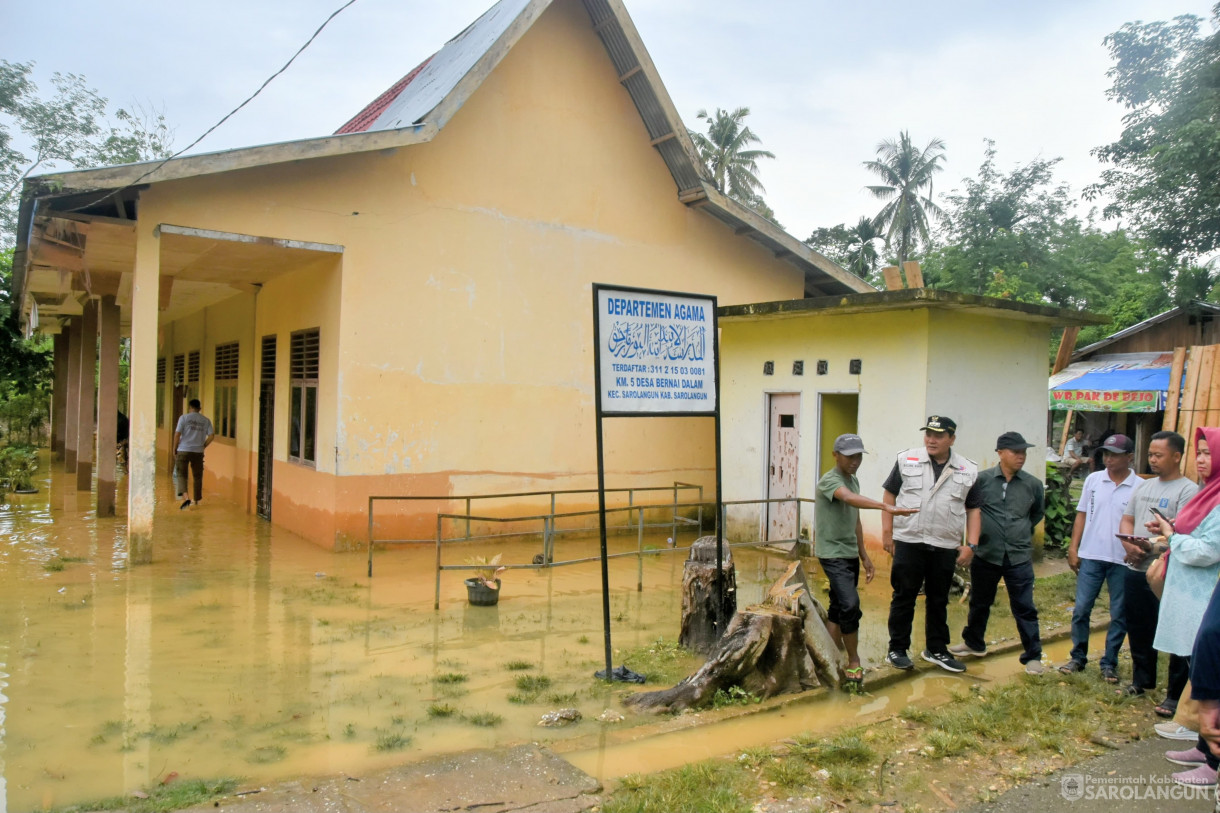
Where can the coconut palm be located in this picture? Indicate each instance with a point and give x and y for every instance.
(861, 247)
(734, 169)
(906, 172)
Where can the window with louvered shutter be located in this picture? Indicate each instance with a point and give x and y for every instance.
(224, 372)
(268, 371)
(160, 392)
(304, 361)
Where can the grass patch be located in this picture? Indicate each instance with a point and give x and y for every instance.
(734, 696)
(484, 719)
(349, 731)
(518, 666)
(532, 683)
(704, 787)
(561, 698)
(450, 678)
(53, 565)
(392, 741)
(162, 798)
(441, 710)
(662, 662)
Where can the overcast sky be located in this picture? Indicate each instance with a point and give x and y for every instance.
(825, 81)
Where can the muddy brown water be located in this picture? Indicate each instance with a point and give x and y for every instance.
(244, 650)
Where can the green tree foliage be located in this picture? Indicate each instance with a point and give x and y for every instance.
(68, 128)
(25, 364)
(734, 168)
(1015, 236)
(1163, 173)
(906, 174)
(855, 249)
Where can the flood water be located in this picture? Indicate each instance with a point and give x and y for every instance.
(244, 650)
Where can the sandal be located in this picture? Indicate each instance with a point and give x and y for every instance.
(853, 679)
(1166, 709)
(1071, 666)
(1109, 674)
(1130, 691)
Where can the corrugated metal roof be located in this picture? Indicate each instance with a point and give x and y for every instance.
(447, 67)
(363, 120)
(1197, 306)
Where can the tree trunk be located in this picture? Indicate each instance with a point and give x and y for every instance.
(775, 647)
(704, 616)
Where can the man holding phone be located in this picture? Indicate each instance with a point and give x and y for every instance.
(1165, 494)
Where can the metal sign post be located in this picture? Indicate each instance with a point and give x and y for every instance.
(656, 354)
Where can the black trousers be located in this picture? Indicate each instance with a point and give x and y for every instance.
(1141, 608)
(918, 565)
(195, 461)
(1179, 673)
(844, 578)
(1019, 582)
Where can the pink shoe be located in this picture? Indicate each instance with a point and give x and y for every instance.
(1202, 776)
(1190, 758)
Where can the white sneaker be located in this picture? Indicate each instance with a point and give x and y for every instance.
(1175, 731)
(1034, 668)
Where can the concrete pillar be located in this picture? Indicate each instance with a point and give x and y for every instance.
(85, 415)
(59, 394)
(107, 403)
(71, 402)
(142, 466)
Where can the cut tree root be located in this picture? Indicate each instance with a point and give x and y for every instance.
(778, 646)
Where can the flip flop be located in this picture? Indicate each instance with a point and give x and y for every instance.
(853, 679)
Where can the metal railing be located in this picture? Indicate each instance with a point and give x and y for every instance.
(553, 496)
(548, 532)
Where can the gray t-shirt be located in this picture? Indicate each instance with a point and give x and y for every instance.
(194, 429)
(1166, 497)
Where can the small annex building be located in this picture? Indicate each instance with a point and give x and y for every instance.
(797, 374)
(402, 307)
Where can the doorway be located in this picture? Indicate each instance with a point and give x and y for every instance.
(784, 436)
(266, 428)
(838, 414)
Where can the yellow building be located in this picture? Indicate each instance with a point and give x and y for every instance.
(402, 307)
(796, 375)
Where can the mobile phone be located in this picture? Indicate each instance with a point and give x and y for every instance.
(1159, 515)
(1142, 542)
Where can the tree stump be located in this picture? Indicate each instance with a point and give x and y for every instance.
(780, 645)
(704, 617)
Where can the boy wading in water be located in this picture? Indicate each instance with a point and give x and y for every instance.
(839, 546)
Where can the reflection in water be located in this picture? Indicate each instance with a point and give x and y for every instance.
(243, 650)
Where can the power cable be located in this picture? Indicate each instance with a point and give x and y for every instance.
(226, 117)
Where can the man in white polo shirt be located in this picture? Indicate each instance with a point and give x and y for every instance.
(1096, 554)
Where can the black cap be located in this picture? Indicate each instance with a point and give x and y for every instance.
(1119, 444)
(939, 423)
(1012, 440)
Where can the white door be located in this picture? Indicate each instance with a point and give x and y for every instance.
(785, 435)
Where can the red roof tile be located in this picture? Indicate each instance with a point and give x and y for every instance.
(365, 118)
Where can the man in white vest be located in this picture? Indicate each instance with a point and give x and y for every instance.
(927, 546)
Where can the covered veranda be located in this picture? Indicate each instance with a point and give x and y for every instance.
(91, 272)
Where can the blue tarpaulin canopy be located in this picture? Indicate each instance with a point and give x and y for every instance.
(1127, 383)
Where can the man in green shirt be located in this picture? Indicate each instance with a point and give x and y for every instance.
(839, 545)
(1012, 505)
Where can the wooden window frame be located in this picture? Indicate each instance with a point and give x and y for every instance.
(224, 390)
(304, 365)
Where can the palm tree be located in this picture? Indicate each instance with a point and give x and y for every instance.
(861, 249)
(905, 172)
(734, 169)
